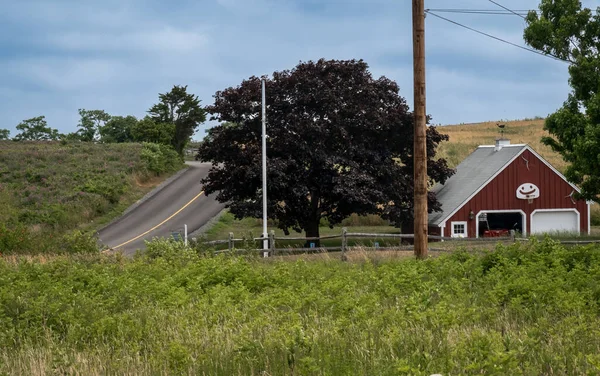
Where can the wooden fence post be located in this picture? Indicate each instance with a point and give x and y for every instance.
(513, 238)
(344, 243)
(230, 241)
(272, 242)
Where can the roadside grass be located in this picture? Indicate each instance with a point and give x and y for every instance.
(523, 309)
(250, 228)
(49, 190)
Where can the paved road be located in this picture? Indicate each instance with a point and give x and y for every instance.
(179, 203)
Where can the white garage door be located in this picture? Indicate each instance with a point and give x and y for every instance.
(554, 221)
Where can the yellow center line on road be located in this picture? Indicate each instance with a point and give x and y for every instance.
(162, 223)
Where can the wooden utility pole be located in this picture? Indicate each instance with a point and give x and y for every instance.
(420, 146)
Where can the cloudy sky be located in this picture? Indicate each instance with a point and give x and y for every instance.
(117, 55)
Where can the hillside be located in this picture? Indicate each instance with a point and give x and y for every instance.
(465, 138)
(49, 189)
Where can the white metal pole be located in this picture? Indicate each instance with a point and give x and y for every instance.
(185, 235)
(264, 171)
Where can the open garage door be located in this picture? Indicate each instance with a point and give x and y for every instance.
(549, 221)
(499, 223)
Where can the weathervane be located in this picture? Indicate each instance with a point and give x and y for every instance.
(501, 126)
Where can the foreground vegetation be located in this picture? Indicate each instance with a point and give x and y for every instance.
(529, 309)
(53, 193)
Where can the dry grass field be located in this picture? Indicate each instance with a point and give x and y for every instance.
(465, 138)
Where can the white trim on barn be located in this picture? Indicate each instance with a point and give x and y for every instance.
(552, 168)
(501, 211)
(465, 225)
(589, 219)
(554, 211)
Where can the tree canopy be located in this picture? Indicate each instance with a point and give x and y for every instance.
(183, 110)
(147, 130)
(4, 134)
(36, 129)
(118, 129)
(339, 142)
(90, 123)
(563, 28)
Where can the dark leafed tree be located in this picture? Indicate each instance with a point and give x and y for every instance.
(565, 29)
(118, 129)
(339, 142)
(90, 123)
(181, 109)
(4, 134)
(36, 129)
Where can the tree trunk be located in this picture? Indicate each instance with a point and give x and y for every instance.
(312, 231)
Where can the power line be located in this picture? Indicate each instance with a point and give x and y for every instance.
(505, 8)
(428, 11)
(506, 12)
(517, 14)
(481, 11)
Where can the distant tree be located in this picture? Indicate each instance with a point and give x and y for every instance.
(90, 123)
(72, 136)
(339, 142)
(181, 109)
(566, 30)
(147, 130)
(36, 129)
(118, 129)
(4, 134)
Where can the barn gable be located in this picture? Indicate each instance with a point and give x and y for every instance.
(487, 181)
(474, 173)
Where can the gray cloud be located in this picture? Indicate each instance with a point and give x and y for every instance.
(118, 55)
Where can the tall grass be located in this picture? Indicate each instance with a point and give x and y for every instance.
(530, 309)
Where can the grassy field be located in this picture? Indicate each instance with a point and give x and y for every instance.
(465, 138)
(527, 310)
(249, 228)
(50, 189)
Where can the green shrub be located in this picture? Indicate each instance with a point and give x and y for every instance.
(78, 242)
(365, 220)
(523, 309)
(13, 238)
(160, 158)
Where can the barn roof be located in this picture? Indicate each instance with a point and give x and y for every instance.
(474, 172)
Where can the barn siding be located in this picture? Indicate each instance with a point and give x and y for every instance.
(500, 194)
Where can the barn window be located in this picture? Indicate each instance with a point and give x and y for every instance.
(459, 229)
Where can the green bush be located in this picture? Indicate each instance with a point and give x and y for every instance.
(595, 217)
(14, 237)
(160, 158)
(77, 242)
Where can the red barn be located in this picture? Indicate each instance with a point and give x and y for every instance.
(506, 187)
